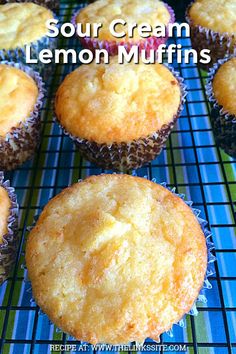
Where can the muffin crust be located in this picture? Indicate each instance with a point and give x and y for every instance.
(224, 86)
(18, 95)
(216, 15)
(5, 204)
(22, 23)
(110, 103)
(116, 258)
(153, 12)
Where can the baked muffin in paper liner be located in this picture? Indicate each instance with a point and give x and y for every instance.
(220, 44)
(202, 298)
(134, 154)
(10, 241)
(50, 4)
(21, 142)
(18, 55)
(112, 46)
(223, 123)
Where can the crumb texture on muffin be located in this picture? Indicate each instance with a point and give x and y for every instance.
(5, 204)
(22, 23)
(18, 95)
(217, 15)
(110, 103)
(224, 86)
(116, 258)
(153, 12)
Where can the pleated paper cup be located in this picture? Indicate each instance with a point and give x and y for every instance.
(202, 296)
(134, 154)
(21, 142)
(223, 123)
(112, 46)
(219, 44)
(10, 241)
(18, 55)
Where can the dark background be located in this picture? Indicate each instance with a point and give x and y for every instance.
(179, 6)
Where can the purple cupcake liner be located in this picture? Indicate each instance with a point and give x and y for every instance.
(209, 271)
(10, 240)
(126, 156)
(220, 44)
(21, 142)
(223, 123)
(112, 46)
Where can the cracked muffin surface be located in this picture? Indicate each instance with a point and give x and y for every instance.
(22, 23)
(18, 95)
(114, 103)
(116, 258)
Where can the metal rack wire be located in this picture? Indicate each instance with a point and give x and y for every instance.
(191, 162)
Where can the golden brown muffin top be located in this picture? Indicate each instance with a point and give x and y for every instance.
(116, 258)
(18, 95)
(217, 15)
(109, 103)
(22, 23)
(5, 204)
(153, 12)
(224, 86)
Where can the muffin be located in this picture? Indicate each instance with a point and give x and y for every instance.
(22, 24)
(120, 116)
(213, 26)
(133, 11)
(8, 228)
(51, 4)
(124, 254)
(221, 88)
(20, 101)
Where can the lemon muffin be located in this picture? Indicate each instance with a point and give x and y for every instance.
(221, 88)
(213, 26)
(21, 95)
(8, 228)
(115, 259)
(120, 116)
(51, 4)
(23, 24)
(153, 12)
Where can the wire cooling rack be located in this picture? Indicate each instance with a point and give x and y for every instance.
(191, 162)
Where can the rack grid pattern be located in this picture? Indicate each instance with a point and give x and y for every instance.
(191, 162)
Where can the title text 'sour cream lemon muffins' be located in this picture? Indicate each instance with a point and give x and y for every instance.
(153, 12)
(120, 116)
(115, 259)
(51, 4)
(21, 94)
(213, 26)
(221, 91)
(8, 228)
(22, 24)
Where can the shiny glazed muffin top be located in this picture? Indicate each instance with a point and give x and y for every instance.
(116, 258)
(217, 15)
(153, 12)
(109, 103)
(18, 95)
(224, 86)
(22, 23)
